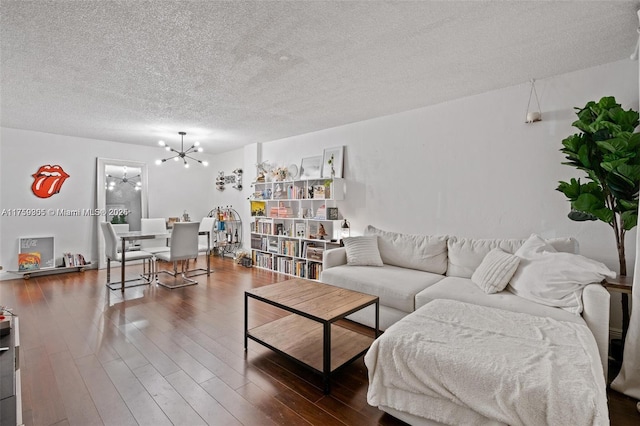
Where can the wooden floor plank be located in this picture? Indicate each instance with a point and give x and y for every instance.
(78, 404)
(168, 399)
(140, 402)
(204, 404)
(110, 405)
(81, 344)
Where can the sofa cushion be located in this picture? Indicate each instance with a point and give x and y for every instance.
(466, 254)
(421, 252)
(555, 279)
(396, 287)
(464, 290)
(362, 251)
(495, 271)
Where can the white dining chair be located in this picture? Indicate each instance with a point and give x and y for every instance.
(112, 253)
(156, 225)
(205, 245)
(183, 247)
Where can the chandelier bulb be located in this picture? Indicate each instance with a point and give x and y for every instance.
(158, 162)
(200, 149)
(162, 143)
(186, 165)
(196, 143)
(205, 163)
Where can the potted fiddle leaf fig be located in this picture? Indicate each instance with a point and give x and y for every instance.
(607, 149)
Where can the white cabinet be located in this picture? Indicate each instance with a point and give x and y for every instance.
(293, 223)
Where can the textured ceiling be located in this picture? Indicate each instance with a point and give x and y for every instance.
(233, 73)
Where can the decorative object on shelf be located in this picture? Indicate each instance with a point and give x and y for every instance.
(48, 180)
(262, 170)
(332, 213)
(310, 168)
(345, 229)
(258, 208)
(332, 162)
(171, 221)
(29, 261)
(185, 217)
(42, 245)
(292, 171)
(133, 180)
(535, 115)
(321, 232)
(280, 173)
(182, 154)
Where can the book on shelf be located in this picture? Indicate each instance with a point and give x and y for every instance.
(318, 192)
(71, 259)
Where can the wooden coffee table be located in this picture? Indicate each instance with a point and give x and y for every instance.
(308, 335)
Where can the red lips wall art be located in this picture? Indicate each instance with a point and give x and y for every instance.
(48, 180)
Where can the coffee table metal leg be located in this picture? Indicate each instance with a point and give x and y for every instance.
(327, 358)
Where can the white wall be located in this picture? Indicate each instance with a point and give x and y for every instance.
(472, 167)
(172, 189)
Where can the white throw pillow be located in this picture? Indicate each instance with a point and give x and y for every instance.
(362, 251)
(553, 278)
(495, 271)
(533, 246)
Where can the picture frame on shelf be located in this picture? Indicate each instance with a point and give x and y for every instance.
(38, 253)
(332, 213)
(311, 167)
(336, 156)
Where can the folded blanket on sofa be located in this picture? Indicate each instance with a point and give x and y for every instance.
(459, 363)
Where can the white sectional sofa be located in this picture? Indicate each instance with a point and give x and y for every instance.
(458, 350)
(419, 268)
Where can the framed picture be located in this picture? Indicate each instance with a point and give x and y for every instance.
(311, 167)
(37, 253)
(332, 213)
(332, 160)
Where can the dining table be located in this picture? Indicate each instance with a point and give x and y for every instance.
(132, 236)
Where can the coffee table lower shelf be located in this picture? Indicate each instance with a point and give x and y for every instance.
(303, 340)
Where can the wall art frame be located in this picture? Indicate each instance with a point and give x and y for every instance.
(337, 153)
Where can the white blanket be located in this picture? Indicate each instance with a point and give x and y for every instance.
(459, 363)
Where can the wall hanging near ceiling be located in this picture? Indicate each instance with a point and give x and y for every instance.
(48, 180)
(133, 180)
(182, 154)
(535, 115)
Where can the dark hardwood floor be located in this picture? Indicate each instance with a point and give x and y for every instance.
(158, 356)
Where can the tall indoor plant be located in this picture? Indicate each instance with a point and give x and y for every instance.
(608, 151)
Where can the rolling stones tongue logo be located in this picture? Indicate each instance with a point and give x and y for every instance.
(48, 180)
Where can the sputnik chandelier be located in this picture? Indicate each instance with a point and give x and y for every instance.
(182, 154)
(137, 185)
